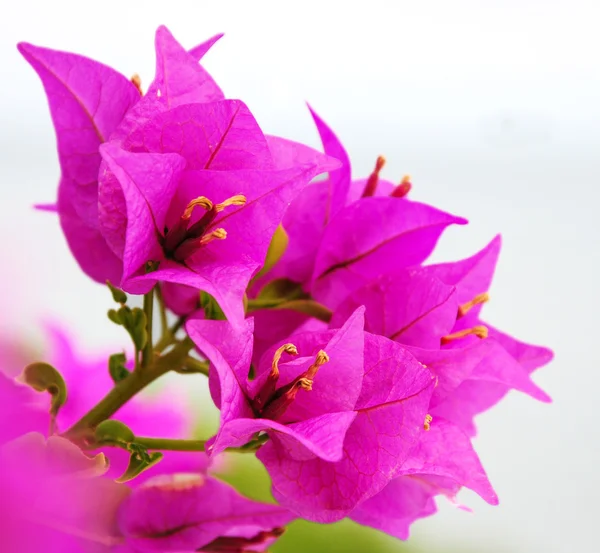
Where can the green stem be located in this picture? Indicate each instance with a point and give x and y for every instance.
(168, 336)
(167, 444)
(164, 325)
(147, 352)
(129, 387)
(192, 365)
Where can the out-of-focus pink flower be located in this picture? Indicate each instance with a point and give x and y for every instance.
(52, 498)
(192, 512)
(342, 419)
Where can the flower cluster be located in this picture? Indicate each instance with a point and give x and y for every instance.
(349, 366)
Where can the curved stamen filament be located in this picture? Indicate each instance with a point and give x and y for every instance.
(217, 234)
(373, 179)
(200, 201)
(238, 199)
(286, 348)
(320, 360)
(466, 307)
(480, 331)
(403, 188)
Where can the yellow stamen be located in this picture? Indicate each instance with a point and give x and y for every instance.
(286, 348)
(427, 423)
(137, 82)
(305, 384)
(217, 234)
(379, 163)
(320, 360)
(238, 199)
(373, 180)
(479, 331)
(200, 201)
(466, 307)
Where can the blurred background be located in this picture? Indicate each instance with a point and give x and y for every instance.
(492, 108)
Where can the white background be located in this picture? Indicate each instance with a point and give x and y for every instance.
(493, 108)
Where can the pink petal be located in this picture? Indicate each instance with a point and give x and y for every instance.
(86, 242)
(396, 507)
(339, 179)
(219, 136)
(529, 356)
(148, 182)
(287, 153)
(376, 444)
(371, 237)
(406, 306)
(446, 451)
(198, 52)
(229, 350)
(178, 76)
(471, 276)
(337, 385)
(186, 512)
(320, 437)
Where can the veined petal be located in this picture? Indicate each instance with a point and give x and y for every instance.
(375, 446)
(339, 179)
(373, 236)
(148, 182)
(407, 306)
(218, 135)
(186, 512)
(179, 77)
(229, 350)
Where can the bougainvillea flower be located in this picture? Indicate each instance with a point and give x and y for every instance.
(205, 227)
(308, 216)
(341, 418)
(193, 512)
(428, 308)
(441, 464)
(91, 103)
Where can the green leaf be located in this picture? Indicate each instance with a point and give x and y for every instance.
(136, 326)
(45, 378)
(139, 461)
(113, 432)
(115, 316)
(116, 367)
(118, 295)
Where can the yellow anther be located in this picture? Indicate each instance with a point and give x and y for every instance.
(286, 348)
(427, 423)
(238, 199)
(201, 201)
(480, 331)
(320, 360)
(305, 384)
(217, 234)
(379, 163)
(137, 82)
(466, 307)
